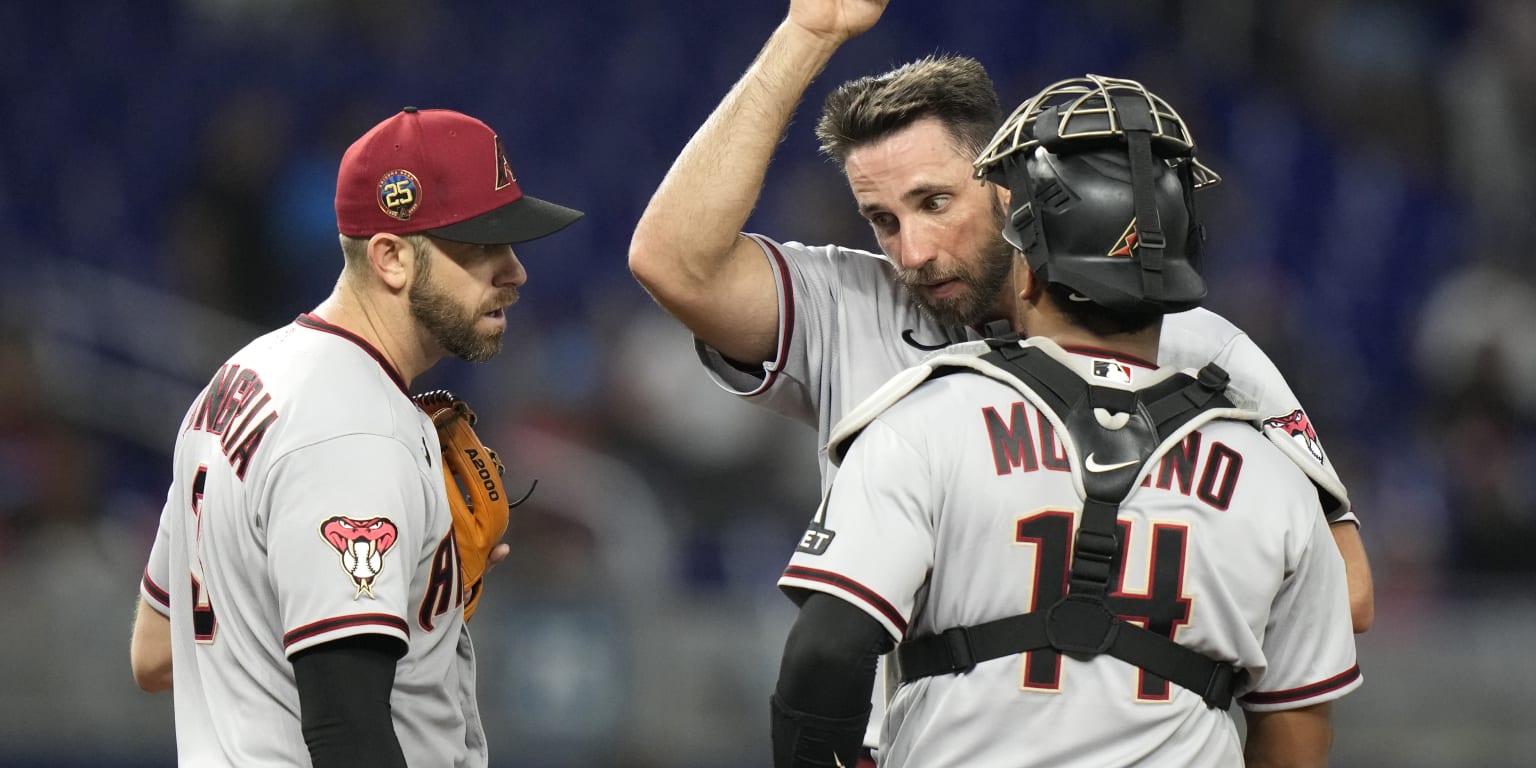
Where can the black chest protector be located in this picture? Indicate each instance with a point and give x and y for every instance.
(1116, 434)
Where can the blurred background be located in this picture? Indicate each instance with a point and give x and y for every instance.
(170, 166)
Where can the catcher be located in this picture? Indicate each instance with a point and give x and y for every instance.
(325, 535)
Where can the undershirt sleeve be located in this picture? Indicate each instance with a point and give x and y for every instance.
(829, 658)
(344, 687)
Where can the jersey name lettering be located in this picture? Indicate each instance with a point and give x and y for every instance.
(229, 409)
(1015, 445)
(1219, 469)
(1209, 475)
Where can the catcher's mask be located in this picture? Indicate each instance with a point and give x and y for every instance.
(1102, 174)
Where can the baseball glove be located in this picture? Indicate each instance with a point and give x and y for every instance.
(472, 473)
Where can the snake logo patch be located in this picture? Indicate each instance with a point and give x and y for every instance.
(1299, 427)
(362, 545)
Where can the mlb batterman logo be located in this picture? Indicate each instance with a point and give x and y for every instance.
(399, 194)
(362, 545)
(1113, 370)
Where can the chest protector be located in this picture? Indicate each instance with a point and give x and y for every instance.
(1115, 435)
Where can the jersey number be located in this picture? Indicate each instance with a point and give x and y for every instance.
(1162, 610)
(203, 620)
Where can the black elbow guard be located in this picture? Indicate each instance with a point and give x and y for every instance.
(802, 740)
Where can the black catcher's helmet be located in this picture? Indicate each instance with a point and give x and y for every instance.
(1102, 174)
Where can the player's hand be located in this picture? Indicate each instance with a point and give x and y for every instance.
(835, 20)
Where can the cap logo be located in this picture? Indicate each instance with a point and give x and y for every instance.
(504, 174)
(1129, 241)
(399, 194)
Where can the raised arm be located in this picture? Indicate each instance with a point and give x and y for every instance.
(687, 249)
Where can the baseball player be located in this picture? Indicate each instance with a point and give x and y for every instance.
(303, 593)
(810, 331)
(1018, 531)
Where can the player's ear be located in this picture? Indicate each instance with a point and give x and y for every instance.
(393, 259)
(1030, 286)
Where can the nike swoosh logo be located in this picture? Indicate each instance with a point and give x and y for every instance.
(1094, 466)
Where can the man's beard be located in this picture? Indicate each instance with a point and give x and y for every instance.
(984, 280)
(449, 322)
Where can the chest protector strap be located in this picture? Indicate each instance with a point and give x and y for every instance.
(1112, 452)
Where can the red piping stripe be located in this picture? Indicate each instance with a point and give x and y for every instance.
(788, 321)
(343, 622)
(1097, 352)
(314, 323)
(852, 587)
(1306, 691)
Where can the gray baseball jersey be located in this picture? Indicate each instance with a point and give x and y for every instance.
(307, 505)
(841, 317)
(957, 505)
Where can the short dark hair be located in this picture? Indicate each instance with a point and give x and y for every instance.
(954, 89)
(1095, 318)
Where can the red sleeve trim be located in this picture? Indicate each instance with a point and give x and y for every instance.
(787, 322)
(308, 631)
(1306, 691)
(155, 591)
(853, 588)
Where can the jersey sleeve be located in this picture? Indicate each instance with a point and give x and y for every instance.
(1309, 642)
(786, 383)
(155, 586)
(346, 519)
(872, 541)
(1196, 337)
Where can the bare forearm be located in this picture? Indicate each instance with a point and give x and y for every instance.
(1295, 738)
(150, 649)
(687, 249)
(1357, 569)
(693, 219)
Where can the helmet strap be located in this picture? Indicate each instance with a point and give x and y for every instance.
(1136, 118)
(1149, 227)
(1025, 220)
(1195, 239)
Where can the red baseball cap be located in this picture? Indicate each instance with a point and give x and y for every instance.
(441, 173)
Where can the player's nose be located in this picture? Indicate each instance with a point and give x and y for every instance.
(918, 246)
(509, 268)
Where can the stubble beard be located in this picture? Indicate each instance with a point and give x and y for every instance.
(449, 322)
(984, 281)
